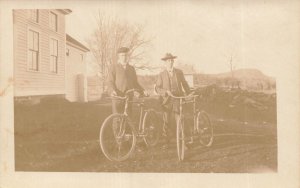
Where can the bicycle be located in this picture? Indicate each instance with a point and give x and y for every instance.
(202, 127)
(118, 134)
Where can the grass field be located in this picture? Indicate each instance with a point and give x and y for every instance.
(63, 137)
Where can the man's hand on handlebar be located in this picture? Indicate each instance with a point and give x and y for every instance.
(114, 93)
(169, 93)
(191, 93)
(143, 94)
(146, 94)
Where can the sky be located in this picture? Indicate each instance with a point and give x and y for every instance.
(258, 34)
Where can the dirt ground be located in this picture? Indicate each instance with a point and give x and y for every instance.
(63, 137)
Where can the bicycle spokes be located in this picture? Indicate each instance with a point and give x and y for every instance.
(150, 131)
(118, 127)
(204, 129)
(117, 138)
(180, 139)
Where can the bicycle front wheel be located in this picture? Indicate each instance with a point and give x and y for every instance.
(180, 138)
(151, 128)
(117, 138)
(205, 129)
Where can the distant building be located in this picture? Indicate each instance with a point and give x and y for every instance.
(190, 79)
(188, 71)
(41, 67)
(76, 70)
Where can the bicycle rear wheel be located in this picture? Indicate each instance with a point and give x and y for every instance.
(117, 137)
(151, 128)
(204, 129)
(180, 138)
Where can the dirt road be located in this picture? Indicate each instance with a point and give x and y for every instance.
(61, 140)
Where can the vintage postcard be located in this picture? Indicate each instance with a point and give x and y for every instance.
(150, 93)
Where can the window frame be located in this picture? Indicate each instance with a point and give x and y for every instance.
(29, 49)
(53, 55)
(56, 19)
(37, 20)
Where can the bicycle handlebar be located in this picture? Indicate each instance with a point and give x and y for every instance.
(126, 94)
(118, 97)
(175, 97)
(191, 95)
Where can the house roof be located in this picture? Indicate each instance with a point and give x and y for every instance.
(76, 43)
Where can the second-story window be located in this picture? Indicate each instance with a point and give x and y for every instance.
(53, 21)
(33, 50)
(34, 15)
(53, 55)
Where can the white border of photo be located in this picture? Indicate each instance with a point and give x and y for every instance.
(287, 110)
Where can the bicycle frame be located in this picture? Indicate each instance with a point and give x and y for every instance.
(127, 131)
(182, 102)
(140, 104)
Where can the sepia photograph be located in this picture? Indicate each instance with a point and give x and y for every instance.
(150, 87)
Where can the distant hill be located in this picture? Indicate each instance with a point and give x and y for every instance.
(252, 79)
(246, 74)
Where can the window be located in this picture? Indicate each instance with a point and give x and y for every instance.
(53, 21)
(34, 15)
(53, 55)
(81, 57)
(33, 50)
(68, 52)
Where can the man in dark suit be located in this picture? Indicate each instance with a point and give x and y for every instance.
(122, 77)
(170, 80)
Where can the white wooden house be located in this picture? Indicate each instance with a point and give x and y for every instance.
(40, 62)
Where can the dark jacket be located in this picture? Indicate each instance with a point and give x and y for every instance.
(120, 80)
(163, 83)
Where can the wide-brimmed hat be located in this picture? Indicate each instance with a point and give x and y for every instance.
(122, 50)
(168, 56)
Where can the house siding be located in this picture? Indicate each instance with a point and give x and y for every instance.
(41, 82)
(75, 67)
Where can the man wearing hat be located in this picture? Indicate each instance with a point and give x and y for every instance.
(122, 77)
(170, 80)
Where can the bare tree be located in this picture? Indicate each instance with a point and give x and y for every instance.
(232, 68)
(112, 33)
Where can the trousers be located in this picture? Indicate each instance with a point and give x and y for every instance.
(169, 108)
(118, 106)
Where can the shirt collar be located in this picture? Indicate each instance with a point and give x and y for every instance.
(170, 70)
